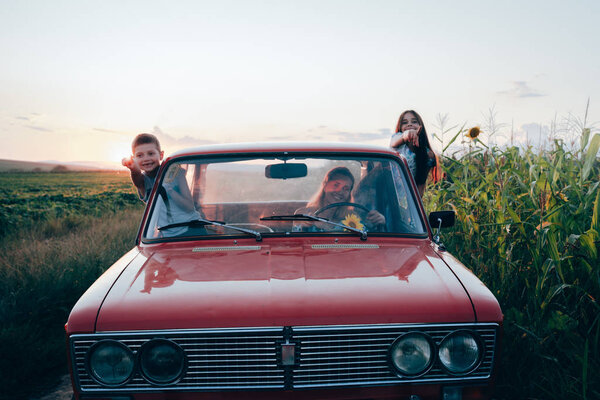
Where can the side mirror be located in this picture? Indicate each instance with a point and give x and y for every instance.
(441, 219)
(286, 171)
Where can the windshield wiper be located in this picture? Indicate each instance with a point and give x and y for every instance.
(204, 222)
(308, 217)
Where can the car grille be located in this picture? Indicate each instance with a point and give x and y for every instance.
(329, 356)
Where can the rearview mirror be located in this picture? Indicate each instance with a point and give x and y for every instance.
(285, 171)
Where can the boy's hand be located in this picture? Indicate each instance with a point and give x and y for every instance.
(128, 162)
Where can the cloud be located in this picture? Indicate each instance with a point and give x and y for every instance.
(521, 89)
(167, 140)
(38, 128)
(22, 118)
(362, 136)
(531, 134)
(323, 133)
(288, 138)
(105, 130)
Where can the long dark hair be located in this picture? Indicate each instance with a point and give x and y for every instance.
(334, 173)
(421, 152)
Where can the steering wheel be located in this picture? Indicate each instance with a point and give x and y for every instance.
(342, 204)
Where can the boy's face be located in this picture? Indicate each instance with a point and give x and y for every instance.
(147, 156)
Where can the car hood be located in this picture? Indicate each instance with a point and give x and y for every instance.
(292, 283)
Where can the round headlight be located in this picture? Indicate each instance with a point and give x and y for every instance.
(459, 352)
(110, 362)
(162, 361)
(411, 354)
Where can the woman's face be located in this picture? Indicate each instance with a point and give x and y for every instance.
(337, 190)
(409, 121)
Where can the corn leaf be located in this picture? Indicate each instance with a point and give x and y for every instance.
(590, 157)
(461, 130)
(596, 215)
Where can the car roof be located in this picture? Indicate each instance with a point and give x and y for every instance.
(267, 147)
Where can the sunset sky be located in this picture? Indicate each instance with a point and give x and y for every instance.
(78, 79)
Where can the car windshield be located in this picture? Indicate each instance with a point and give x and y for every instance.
(270, 195)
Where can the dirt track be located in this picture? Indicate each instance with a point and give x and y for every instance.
(62, 392)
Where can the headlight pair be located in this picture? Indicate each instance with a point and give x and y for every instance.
(413, 353)
(160, 361)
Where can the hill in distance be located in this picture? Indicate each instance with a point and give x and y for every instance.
(47, 166)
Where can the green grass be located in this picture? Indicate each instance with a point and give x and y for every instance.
(35, 200)
(529, 227)
(48, 259)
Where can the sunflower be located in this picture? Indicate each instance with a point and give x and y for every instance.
(473, 133)
(353, 221)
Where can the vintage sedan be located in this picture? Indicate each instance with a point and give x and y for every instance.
(297, 271)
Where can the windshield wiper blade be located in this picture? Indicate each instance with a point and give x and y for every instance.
(204, 222)
(308, 217)
(194, 222)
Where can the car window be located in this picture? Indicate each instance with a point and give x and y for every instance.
(367, 193)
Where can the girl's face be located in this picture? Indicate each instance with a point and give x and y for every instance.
(409, 121)
(337, 190)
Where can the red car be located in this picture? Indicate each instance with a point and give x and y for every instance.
(286, 271)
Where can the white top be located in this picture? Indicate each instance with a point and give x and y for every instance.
(404, 150)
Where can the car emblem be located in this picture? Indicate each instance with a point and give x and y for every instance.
(288, 353)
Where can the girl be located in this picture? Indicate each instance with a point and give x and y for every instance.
(410, 141)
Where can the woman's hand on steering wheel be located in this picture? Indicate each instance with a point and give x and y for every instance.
(375, 218)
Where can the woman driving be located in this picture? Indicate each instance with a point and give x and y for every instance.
(333, 201)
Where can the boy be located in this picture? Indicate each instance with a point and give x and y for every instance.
(175, 203)
(144, 163)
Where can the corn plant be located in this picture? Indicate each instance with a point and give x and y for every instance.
(529, 227)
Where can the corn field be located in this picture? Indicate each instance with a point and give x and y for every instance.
(528, 224)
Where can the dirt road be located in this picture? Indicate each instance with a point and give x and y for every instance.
(62, 392)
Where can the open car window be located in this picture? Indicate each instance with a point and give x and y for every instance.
(262, 195)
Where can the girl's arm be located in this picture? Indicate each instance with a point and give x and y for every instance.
(397, 139)
(410, 136)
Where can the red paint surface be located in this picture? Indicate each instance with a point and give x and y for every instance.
(286, 282)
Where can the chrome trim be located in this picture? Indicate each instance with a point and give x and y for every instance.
(345, 246)
(322, 347)
(225, 248)
(327, 356)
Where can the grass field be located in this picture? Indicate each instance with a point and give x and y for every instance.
(48, 201)
(59, 233)
(528, 226)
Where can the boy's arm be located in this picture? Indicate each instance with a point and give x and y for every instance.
(137, 178)
(179, 192)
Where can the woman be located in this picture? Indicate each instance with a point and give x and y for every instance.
(336, 187)
(410, 141)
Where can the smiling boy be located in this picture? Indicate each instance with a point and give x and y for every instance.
(144, 163)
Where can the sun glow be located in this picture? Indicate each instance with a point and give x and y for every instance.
(116, 151)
